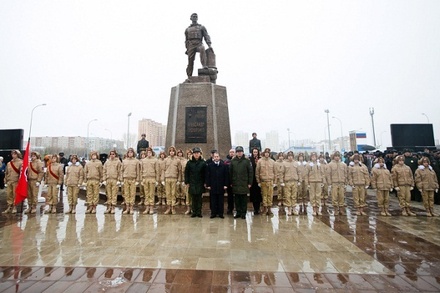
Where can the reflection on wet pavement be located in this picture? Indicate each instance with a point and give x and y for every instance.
(158, 253)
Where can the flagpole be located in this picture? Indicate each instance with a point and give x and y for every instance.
(26, 159)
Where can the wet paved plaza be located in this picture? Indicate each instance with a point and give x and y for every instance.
(176, 253)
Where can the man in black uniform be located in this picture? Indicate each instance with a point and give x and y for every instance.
(195, 179)
(411, 162)
(64, 162)
(143, 144)
(254, 143)
(227, 162)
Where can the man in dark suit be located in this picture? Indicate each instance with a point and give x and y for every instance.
(217, 181)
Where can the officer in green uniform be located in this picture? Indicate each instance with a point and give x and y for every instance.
(241, 174)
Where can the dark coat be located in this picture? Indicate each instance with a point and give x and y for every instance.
(228, 160)
(254, 143)
(412, 163)
(195, 175)
(255, 191)
(142, 145)
(241, 175)
(217, 177)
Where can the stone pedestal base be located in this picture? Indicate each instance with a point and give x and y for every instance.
(199, 116)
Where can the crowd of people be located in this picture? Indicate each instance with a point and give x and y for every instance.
(176, 178)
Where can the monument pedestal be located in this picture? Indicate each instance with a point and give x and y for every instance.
(199, 116)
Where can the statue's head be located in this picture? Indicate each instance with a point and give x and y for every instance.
(194, 16)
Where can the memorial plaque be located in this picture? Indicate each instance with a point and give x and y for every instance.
(195, 125)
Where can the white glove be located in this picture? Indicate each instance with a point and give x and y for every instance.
(177, 183)
(118, 183)
(421, 191)
(282, 184)
(366, 186)
(397, 188)
(259, 184)
(45, 185)
(137, 183)
(163, 183)
(329, 187)
(84, 183)
(156, 183)
(436, 190)
(391, 189)
(6, 185)
(411, 188)
(308, 186)
(276, 185)
(104, 182)
(322, 185)
(58, 186)
(299, 183)
(37, 184)
(183, 184)
(122, 183)
(311, 164)
(79, 185)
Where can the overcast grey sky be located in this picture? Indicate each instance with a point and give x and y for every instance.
(283, 63)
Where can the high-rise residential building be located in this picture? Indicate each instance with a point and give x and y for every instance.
(71, 143)
(155, 132)
(242, 138)
(272, 141)
(62, 142)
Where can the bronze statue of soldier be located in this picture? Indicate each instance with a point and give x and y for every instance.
(194, 36)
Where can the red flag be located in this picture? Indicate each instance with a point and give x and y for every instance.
(21, 189)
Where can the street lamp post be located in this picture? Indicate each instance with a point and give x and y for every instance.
(128, 129)
(32, 117)
(342, 133)
(288, 136)
(88, 142)
(427, 118)
(328, 126)
(372, 123)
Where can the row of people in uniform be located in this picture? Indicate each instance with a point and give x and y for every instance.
(164, 175)
(294, 178)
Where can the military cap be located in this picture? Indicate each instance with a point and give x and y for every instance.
(239, 149)
(196, 150)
